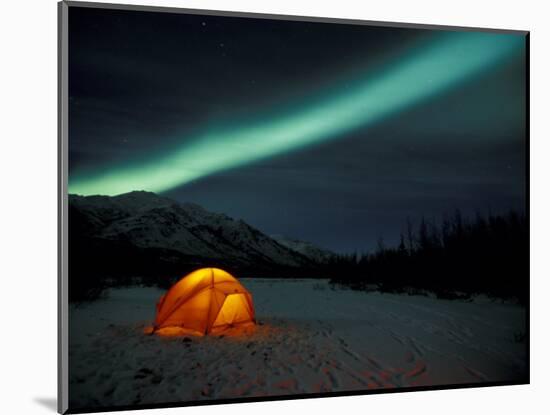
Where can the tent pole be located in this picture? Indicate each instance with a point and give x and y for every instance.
(210, 304)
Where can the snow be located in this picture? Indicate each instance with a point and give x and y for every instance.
(305, 248)
(310, 338)
(148, 220)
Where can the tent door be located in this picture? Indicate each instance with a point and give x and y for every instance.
(234, 310)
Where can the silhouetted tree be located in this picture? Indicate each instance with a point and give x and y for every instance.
(485, 255)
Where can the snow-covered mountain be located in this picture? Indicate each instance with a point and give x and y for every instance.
(147, 220)
(305, 248)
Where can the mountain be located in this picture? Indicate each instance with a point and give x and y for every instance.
(149, 222)
(305, 248)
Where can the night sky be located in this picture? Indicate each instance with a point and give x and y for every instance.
(331, 133)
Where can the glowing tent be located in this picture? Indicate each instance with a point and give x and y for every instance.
(205, 301)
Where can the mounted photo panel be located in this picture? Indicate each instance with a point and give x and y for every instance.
(258, 207)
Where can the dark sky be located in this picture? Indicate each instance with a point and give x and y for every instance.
(142, 85)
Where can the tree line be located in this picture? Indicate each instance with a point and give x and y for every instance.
(453, 259)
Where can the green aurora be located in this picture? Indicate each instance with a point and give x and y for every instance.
(423, 73)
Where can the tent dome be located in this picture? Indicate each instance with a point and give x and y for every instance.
(204, 301)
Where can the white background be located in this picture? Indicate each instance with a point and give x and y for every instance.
(28, 157)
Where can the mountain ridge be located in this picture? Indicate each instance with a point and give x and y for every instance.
(148, 220)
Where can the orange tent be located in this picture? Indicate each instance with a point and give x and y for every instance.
(204, 301)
